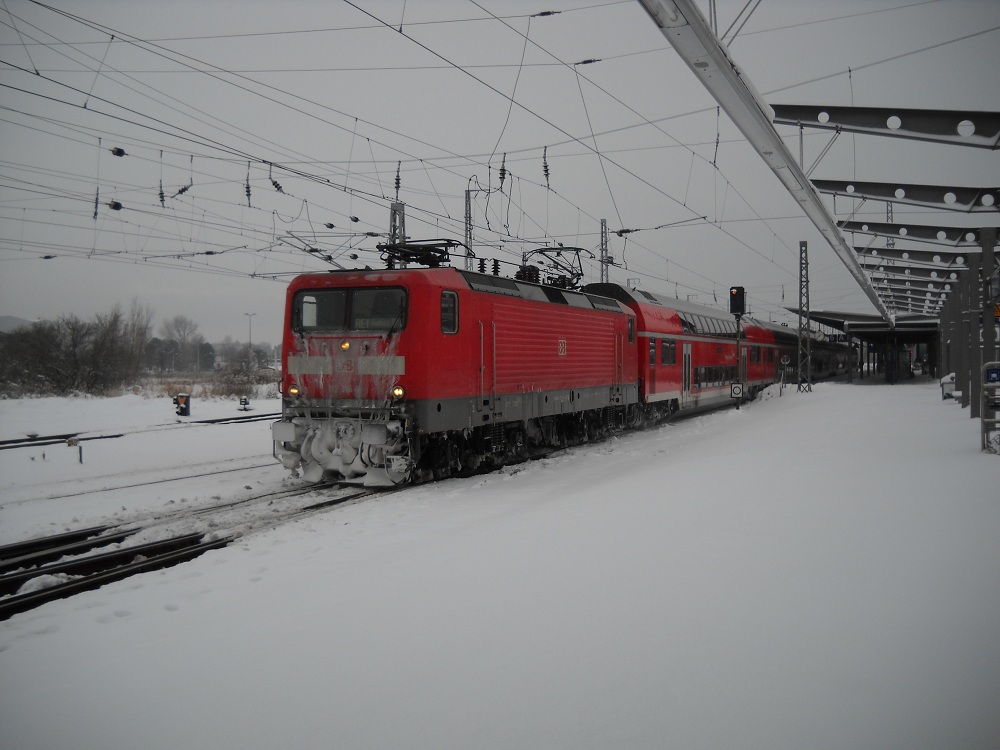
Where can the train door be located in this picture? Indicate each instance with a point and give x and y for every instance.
(487, 365)
(619, 376)
(686, 371)
(651, 369)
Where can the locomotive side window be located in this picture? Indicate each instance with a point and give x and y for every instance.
(631, 330)
(652, 352)
(449, 312)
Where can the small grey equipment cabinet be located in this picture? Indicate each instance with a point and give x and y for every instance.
(990, 407)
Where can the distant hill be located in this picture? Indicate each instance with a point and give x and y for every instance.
(10, 323)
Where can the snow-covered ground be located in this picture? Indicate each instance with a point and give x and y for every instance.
(813, 571)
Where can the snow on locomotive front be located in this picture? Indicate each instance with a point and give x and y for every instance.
(343, 404)
(393, 375)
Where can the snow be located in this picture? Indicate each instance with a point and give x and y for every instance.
(816, 570)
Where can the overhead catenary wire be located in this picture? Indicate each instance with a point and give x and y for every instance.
(429, 166)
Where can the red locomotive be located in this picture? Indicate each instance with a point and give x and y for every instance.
(415, 374)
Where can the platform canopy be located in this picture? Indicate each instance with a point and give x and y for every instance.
(908, 329)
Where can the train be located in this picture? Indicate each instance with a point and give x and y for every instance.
(406, 375)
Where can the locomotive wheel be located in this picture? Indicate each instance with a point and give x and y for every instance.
(398, 477)
(312, 472)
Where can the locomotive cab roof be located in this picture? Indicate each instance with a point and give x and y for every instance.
(480, 282)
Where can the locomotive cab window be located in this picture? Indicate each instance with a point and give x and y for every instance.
(449, 312)
(340, 310)
(377, 309)
(324, 310)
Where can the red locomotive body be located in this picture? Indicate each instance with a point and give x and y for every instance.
(438, 370)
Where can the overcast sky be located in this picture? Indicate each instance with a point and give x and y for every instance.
(324, 99)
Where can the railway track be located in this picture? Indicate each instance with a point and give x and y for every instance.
(30, 580)
(38, 441)
(37, 571)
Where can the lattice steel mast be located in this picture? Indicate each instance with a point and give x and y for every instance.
(805, 340)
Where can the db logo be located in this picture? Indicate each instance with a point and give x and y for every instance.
(562, 347)
(343, 365)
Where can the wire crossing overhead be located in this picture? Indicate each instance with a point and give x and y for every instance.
(688, 32)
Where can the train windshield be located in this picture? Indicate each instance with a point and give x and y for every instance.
(374, 309)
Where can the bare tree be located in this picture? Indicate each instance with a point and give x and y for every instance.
(138, 333)
(184, 332)
(70, 354)
(105, 364)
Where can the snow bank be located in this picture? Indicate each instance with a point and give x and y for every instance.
(816, 570)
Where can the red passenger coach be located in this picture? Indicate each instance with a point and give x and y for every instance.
(688, 352)
(420, 373)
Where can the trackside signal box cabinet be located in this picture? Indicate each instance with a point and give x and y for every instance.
(989, 407)
(183, 403)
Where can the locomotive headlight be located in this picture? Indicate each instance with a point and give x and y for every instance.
(293, 390)
(397, 392)
(345, 345)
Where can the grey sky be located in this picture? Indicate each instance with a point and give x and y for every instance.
(335, 94)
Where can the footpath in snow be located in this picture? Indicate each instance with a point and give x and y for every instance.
(812, 571)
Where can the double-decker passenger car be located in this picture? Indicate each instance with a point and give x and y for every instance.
(691, 352)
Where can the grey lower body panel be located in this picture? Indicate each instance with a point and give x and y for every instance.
(465, 413)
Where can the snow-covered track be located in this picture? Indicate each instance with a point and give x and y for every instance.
(36, 571)
(41, 550)
(91, 572)
(44, 440)
(40, 441)
(239, 419)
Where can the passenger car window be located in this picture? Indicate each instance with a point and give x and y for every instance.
(668, 352)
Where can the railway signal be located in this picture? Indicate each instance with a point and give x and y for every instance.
(737, 301)
(737, 308)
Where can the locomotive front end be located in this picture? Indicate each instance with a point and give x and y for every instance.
(344, 407)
